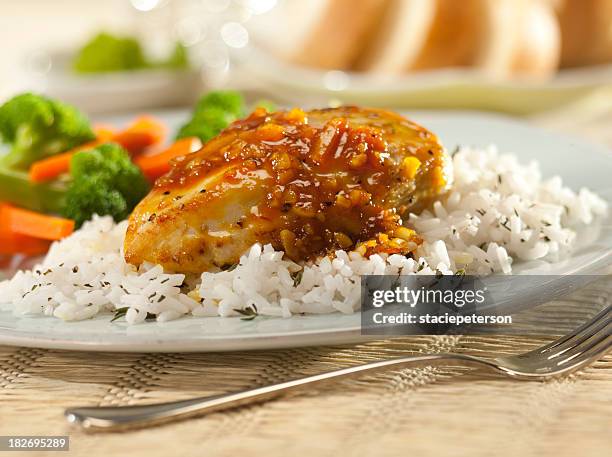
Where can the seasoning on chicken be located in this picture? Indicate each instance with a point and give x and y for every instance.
(306, 182)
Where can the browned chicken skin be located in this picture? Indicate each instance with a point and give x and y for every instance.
(306, 182)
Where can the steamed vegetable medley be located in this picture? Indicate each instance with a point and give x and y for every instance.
(57, 170)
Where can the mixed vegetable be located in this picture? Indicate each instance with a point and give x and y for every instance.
(107, 53)
(57, 170)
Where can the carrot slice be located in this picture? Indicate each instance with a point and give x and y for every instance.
(20, 244)
(155, 165)
(144, 132)
(104, 131)
(51, 167)
(37, 225)
(13, 243)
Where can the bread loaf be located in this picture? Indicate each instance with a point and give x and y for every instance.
(586, 32)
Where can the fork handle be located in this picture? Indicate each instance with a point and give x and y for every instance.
(122, 417)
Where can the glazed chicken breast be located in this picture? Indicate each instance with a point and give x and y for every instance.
(308, 182)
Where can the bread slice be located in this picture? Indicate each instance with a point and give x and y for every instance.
(340, 37)
(400, 36)
(586, 32)
(427, 34)
(522, 39)
(499, 37)
(500, 19)
(539, 43)
(455, 36)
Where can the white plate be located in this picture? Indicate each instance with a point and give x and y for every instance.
(578, 162)
(122, 91)
(456, 88)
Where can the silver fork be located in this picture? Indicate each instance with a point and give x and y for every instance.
(565, 355)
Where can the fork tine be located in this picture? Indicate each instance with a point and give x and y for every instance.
(583, 354)
(598, 328)
(579, 335)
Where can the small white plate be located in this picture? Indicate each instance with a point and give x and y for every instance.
(122, 91)
(578, 162)
(444, 88)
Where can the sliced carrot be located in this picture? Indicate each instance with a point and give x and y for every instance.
(21, 244)
(51, 167)
(155, 165)
(104, 131)
(29, 223)
(13, 243)
(144, 132)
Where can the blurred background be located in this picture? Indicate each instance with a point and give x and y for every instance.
(516, 56)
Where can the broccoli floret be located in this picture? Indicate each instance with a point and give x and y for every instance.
(107, 53)
(104, 181)
(206, 124)
(87, 197)
(213, 113)
(35, 127)
(229, 101)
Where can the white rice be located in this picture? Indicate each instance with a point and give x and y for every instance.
(498, 211)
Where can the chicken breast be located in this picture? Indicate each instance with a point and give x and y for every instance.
(306, 182)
